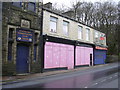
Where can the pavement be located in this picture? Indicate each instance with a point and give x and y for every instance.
(22, 77)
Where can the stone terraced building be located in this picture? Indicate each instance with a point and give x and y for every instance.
(20, 29)
(36, 39)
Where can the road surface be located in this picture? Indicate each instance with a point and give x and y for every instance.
(105, 76)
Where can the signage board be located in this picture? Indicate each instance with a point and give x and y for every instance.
(24, 35)
(101, 48)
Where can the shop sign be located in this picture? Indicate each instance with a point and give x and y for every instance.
(101, 48)
(24, 35)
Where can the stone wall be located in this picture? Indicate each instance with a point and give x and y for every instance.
(12, 16)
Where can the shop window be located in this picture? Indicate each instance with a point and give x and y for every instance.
(9, 51)
(65, 27)
(53, 24)
(36, 37)
(18, 4)
(80, 32)
(35, 52)
(35, 45)
(10, 43)
(31, 6)
(11, 33)
(87, 34)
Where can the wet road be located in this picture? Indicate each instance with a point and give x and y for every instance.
(95, 77)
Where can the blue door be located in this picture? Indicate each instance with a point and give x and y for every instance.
(22, 58)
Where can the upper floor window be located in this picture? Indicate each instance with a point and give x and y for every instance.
(65, 27)
(31, 6)
(96, 35)
(87, 34)
(18, 4)
(80, 32)
(53, 24)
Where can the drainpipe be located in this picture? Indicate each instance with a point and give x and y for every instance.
(41, 42)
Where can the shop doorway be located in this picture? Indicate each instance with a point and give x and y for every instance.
(22, 65)
(91, 59)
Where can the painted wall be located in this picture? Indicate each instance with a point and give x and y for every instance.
(58, 55)
(73, 28)
(97, 40)
(99, 56)
(83, 55)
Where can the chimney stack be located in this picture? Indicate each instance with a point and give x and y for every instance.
(48, 5)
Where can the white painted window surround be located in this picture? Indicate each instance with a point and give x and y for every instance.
(80, 32)
(53, 24)
(87, 34)
(65, 27)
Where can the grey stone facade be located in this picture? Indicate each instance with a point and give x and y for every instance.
(11, 19)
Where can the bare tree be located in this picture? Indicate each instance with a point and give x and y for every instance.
(102, 16)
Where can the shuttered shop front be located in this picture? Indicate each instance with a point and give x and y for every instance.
(100, 55)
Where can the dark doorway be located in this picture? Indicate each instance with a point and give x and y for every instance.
(91, 59)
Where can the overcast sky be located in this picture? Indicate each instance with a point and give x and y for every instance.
(67, 3)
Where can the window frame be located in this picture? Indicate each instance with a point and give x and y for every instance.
(80, 31)
(87, 34)
(55, 22)
(10, 35)
(10, 43)
(96, 34)
(34, 6)
(13, 3)
(67, 27)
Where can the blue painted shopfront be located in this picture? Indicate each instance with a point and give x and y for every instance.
(99, 56)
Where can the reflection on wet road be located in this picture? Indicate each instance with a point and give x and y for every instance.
(81, 81)
(94, 77)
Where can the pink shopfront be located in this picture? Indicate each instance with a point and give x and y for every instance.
(58, 55)
(61, 53)
(84, 56)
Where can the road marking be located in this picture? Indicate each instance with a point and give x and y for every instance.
(110, 77)
(103, 80)
(115, 75)
(95, 84)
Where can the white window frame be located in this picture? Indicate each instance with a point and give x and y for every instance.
(96, 34)
(80, 32)
(53, 24)
(65, 28)
(87, 34)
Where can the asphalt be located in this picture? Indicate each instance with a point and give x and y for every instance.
(22, 77)
(58, 78)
